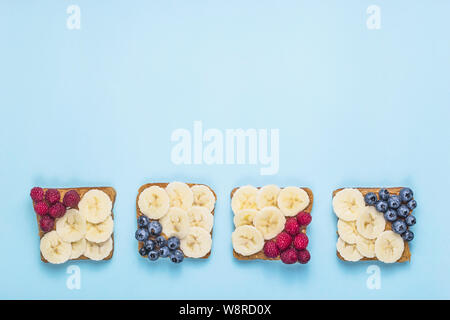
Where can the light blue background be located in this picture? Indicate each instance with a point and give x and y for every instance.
(97, 106)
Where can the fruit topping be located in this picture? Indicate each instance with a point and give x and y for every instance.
(41, 208)
(173, 243)
(408, 235)
(283, 241)
(289, 256)
(383, 194)
(390, 215)
(394, 201)
(57, 210)
(176, 256)
(304, 218)
(52, 196)
(406, 195)
(410, 220)
(46, 223)
(37, 194)
(154, 227)
(292, 227)
(153, 255)
(141, 234)
(71, 199)
(303, 256)
(381, 206)
(142, 221)
(370, 199)
(271, 250)
(301, 241)
(403, 211)
(399, 226)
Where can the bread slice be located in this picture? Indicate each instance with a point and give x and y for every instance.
(164, 185)
(260, 255)
(81, 191)
(406, 256)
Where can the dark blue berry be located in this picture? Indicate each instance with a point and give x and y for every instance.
(408, 235)
(381, 206)
(394, 201)
(370, 199)
(164, 252)
(410, 220)
(141, 234)
(149, 245)
(412, 204)
(176, 256)
(142, 221)
(161, 241)
(403, 211)
(154, 228)
(173, 243)
(143, 251)
(399, 226)
(384, 194)
(153, 255)
(406, 195)
(390, 215)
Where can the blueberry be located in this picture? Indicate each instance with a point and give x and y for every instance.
(142, 221)
(394, 201)
(176, 256)
(153, 255)
(143, 251)
(408, 235)
(403, 211)
(390, 215)
(381, 206)
(173, 243)
(154, 228)
(161, 241)
(371, 199)
(406, 195)
(412, 204)
(149, 245)
(410, 220)
(384, 194)
(399, 226)
(141, 234)
(164, 252)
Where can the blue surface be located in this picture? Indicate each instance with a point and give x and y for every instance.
(97, 106)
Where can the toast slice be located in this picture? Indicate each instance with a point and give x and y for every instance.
(81, 191)
(406, 256)
(260, 255)
(164, 185)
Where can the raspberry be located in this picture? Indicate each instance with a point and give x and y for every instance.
(57, 210)
(283, 241)
(301, 241)
(292, 226)
(289, 256)
(46, 223)
(52, 196)
(303, 256)
(271, 249)
(71, 199)
(37, 194)
(41, 208)
(304, 218)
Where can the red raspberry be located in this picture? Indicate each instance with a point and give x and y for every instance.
(301, 241)
(46, 223)
(52, 196)
(41, 208)
(292, 226)
(303, 256)
(57, 210)
(283, 241)
(289, 256)
(71, 199)
(37, 194)
(271, 249)
(304, 218)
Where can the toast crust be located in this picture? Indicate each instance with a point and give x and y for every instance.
(81, 191)
(260, 255)
(164, 185)
(406, 256)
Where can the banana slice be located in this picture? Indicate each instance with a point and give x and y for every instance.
(98, 251)
(244, 217)
(267, 196)
(72, 226)
(203, 197)
(200, 217)
(154, 202)
(389, 247)
(292, 200)
(347, 231)
(347, 203)
(175, 223)
(95, 206)
(370, 223)
(100, 232)
(244, 198)
(180, 195)
(348, 251)
(78, 248)
(54, 249)
(247, 240)
(270, 222)
(366, 246)
(197, 243)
